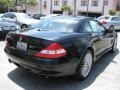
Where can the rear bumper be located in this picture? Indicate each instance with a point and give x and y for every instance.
(43, 66)
(3, 33)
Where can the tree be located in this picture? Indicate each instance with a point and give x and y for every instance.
(112, 12)
(4, 5)
(66, 9)
(4, 1)
(24, 4)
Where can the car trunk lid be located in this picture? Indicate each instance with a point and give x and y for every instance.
(30, 42)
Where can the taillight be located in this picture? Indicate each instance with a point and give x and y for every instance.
(104, 22)
(7, 44)
(52, 51)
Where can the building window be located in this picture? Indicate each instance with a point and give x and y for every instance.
(64, 2)
(56, 3)
(118, 6)
(45, 4)
(106, 2)
(94, 2)
(84, 3)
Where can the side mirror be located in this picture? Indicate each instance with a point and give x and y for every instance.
(110, 30)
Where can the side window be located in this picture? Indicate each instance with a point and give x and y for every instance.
(6, 16)
(115, 19)
(12, 16)
(96, 26)
(87, 27)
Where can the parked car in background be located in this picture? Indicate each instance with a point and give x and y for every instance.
(6, 27)
(38, 16)
(22, 19)
(49, 16)
(62, 45)
(110, 22)
(44, 18)
(1, 15)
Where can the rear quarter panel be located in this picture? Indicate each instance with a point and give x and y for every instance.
(75, 45)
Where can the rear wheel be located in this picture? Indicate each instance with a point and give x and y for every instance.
(85, 65)
(24, 26)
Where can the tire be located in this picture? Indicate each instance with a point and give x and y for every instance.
(114, 47)
(85, 65)
(24, 26)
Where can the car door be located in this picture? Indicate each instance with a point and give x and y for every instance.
(94, 36)
(101, 39)
(116, 22)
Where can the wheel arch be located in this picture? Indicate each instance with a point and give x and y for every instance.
(87, 49)
(24, 25)
(92, 51)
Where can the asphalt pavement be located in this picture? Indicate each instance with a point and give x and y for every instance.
(105, 75)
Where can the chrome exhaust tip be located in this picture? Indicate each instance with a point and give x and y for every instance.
(9, 61)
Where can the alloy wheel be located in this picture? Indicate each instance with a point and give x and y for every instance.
(86, 66)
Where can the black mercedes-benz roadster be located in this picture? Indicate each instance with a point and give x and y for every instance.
(63, 45)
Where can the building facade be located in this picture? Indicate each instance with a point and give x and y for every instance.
(96, 7)
(78, 7)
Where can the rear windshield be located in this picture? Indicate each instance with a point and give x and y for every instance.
(63, 25)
